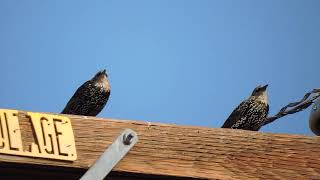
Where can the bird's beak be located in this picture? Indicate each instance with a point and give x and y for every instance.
(264, 87)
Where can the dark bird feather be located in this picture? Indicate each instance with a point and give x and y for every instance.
(251, 113)
(91, 97)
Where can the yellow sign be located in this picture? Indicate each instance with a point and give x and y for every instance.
(53, 136)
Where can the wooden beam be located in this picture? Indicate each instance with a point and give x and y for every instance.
(186, 152)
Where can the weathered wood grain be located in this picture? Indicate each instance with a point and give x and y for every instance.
(184, 151)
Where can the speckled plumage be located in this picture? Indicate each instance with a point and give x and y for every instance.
(250, 114)
(90, 98)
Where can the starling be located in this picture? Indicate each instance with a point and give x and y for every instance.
(91, 97)
(314, 121)
(251, 113)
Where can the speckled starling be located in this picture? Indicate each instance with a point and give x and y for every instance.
(251, 113)
(314, 121)
(91, 97)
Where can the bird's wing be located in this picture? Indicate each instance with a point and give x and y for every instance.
(236, 114)
(100, 103)
(265, 114)
(76, 100)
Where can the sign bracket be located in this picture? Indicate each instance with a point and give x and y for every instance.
(111, 156)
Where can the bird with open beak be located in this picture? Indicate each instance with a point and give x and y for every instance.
(91, 97)
(251, 113)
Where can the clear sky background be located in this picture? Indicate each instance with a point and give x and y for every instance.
(186, 62)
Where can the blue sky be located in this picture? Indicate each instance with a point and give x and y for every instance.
(184, 62)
